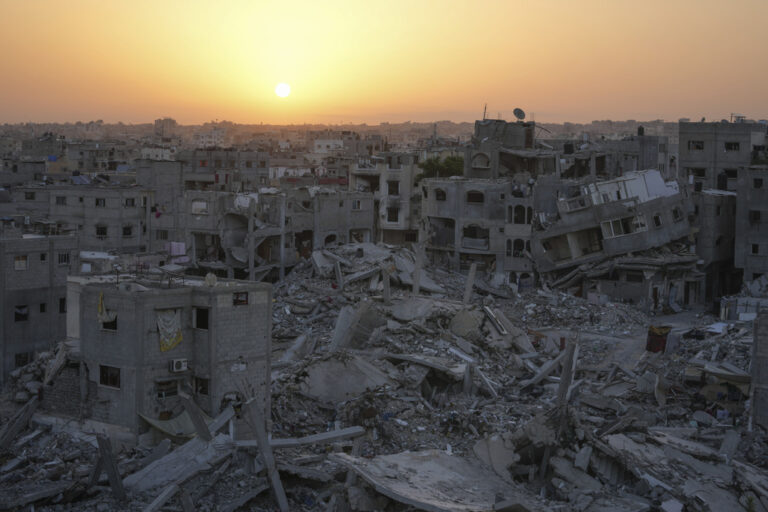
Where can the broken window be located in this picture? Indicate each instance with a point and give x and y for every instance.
(731, 174)
(200, 318)
(677, 214)
(240, 299)
(21, 313)
(731, 146)
(754, 216)
(62, 305)
(719, 241)
(202, 385)
(634, 277)
(248, 164)
(127, 231)
(439, 194)
(101, 231)
(203, 163)
(474, 196)
(757, 183)
(509, 247)
(109, 376)
(755, 248)
(698, 172)
(43, 307)
(356, 204)
(29, 196)
(43, 257)
(63, 258)
(393, 188)
(110, 325)
(20, 262)
(166, 389)
(717, 210)
(393, 214)
(100, 202)
(61, 200)
(695, 145)
(657, 220)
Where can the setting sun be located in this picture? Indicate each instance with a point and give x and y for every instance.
(283, 90)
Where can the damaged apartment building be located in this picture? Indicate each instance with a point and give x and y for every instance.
(613, 238)
(389, 178)
(521, 221)
(137, 346)
(239, 230)
(714, 161)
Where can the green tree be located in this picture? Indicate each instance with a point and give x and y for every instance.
(436, 168)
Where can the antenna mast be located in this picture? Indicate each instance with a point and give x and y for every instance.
(485, 108)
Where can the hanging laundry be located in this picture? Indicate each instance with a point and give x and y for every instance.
(169, 327)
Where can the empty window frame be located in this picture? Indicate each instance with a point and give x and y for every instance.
(109, 376)
(473, 196)
(100, 202)
(200, 318)
(240, 299)
(695, 145)
(732, 146)
(63, 258)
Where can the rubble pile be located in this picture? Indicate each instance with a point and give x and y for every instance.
(396, 386)
(26, 381)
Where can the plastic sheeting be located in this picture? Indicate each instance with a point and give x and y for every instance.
(169, 327)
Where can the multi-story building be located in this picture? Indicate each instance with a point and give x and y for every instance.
(225, 169)
(141, 342)
(751, 243)
(33, 283)
(711, 156)
(390, 178)
(487, 222)
(580, 225)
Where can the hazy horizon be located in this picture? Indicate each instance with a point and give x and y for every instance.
(352, 63)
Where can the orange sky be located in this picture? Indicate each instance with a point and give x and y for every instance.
(366, 61)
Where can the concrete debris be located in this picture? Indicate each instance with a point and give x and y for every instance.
(383, 399)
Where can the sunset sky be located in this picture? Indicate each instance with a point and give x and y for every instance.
(366, 61)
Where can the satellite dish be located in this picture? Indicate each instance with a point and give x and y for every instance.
(519, 114)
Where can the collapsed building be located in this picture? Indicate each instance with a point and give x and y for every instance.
(596, 237)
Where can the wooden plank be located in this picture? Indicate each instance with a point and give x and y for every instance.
(196, 415)
(110, 466)
(259, 424)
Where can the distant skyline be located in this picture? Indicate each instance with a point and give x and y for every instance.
(355, 62)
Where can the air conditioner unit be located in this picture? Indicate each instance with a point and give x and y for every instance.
(179, 365)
